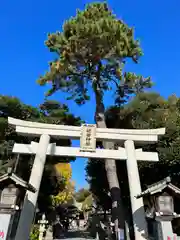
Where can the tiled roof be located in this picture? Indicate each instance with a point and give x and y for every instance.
(17, 180)
(158, 187)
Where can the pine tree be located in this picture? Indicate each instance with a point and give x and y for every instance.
(92, 50)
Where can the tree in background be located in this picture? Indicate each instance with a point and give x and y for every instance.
(82, 194)
(91, 53)
(150, 110)
(49, 112)
(67, 189)
(144, 111)
(97, 179)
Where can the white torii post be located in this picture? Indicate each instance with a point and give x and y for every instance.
(137, 205)
(89, 151)
(27, 214)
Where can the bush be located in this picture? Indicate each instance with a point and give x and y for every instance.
(34, 235)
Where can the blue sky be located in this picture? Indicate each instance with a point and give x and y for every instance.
(24, 26)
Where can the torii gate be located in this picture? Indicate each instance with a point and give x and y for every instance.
(87, 135)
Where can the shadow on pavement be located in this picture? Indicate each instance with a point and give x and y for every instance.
(75, 235)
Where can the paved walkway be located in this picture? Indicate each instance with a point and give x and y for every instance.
(76, 235)
(72, 235)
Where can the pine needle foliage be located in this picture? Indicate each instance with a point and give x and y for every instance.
(91, 52)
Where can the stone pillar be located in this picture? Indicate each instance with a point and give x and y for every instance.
(30, 201)
(165, 230)
(137, 206)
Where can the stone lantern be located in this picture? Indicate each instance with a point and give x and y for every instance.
(13, 190)
(159, 206)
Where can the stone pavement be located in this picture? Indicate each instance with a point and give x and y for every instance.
(71, 235)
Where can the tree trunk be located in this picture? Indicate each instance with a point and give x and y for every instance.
(110, 166)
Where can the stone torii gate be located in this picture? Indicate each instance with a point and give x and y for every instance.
(87, 135)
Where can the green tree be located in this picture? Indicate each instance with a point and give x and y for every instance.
(11, 106)
(48, 112)
(91, 53)
(150, 110)
(146, 110)
(82, 194)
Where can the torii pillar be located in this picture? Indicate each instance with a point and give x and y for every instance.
(29, 206)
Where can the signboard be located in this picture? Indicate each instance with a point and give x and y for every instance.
(8, 196)
(88, 138)
(165, 204)
(4, 225)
